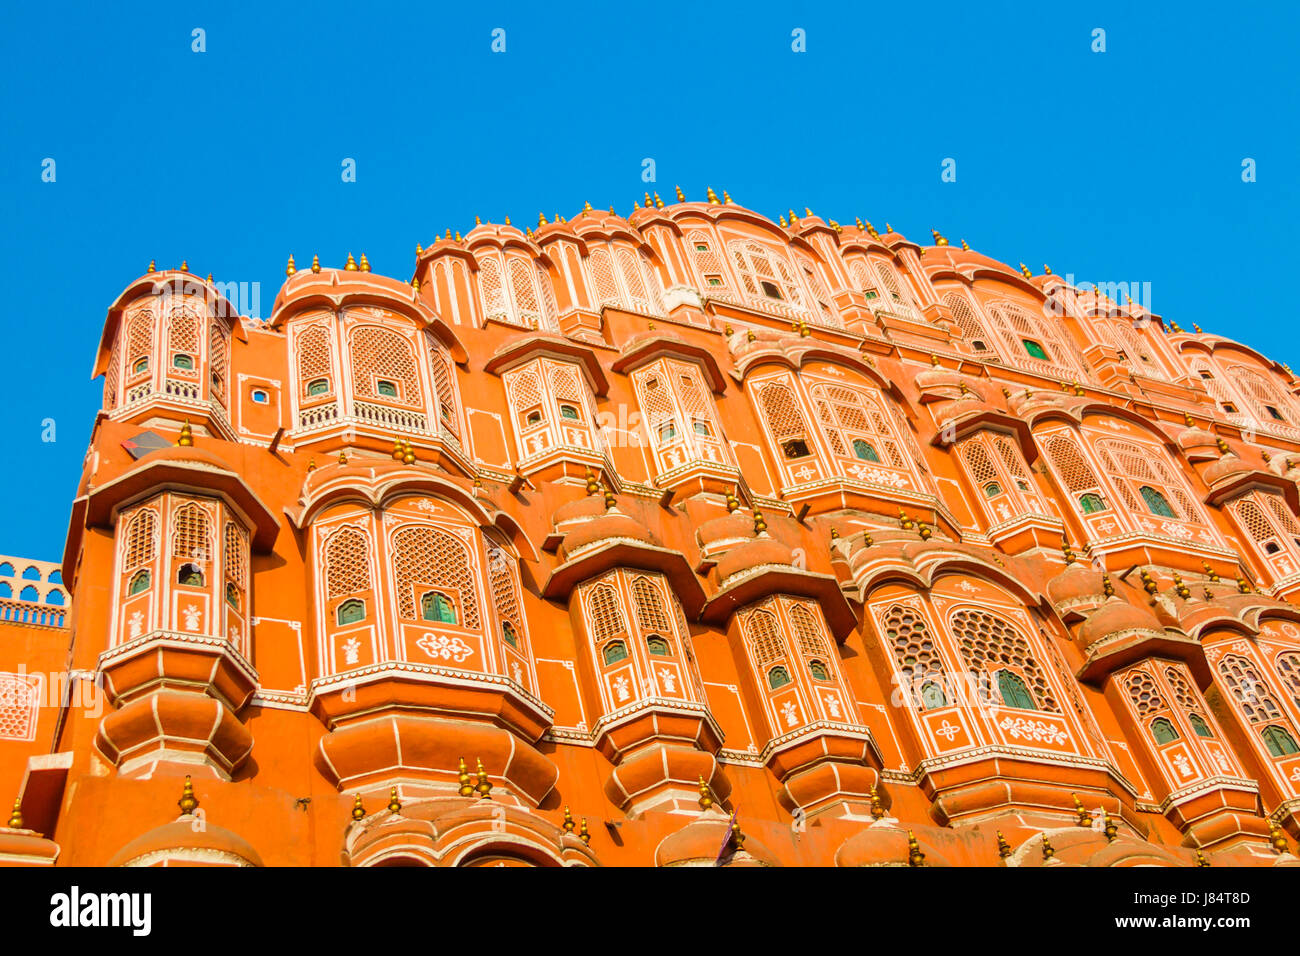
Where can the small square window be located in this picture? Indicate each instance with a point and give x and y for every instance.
(701, 247)
(770, 289)
(1230, 408)
(1275, 413)
(1034, 349)
(713, 280)
(386, 388)
(260, 396)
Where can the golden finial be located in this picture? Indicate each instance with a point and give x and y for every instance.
(1024, 271)
(750, 336)
(311, 464)
(1242, 586)
(448, 234)
(924, 531)
(358, 811)
(315, 263)
(1148, 584)
(583, 833)
(1111, 829)
(419, 250)
(610, 501)
(914, 855)
(394, 805)
(706, 798)
(1006, 392)
(186, 438)
(726, 198)
(888, 228)
(965, 246)
(365, 263)
(1276, 838)
(732, 502)
(934, 360)
(541, 220)
(568, 823)
(712, 196)
(834, 534)
(586, 207)
(1207, 594)
(1174, 325)
(1004, 848)
(350, 265)
(737, 838)
(1078, 389)
(807, 211)
(152, 267)
(867, 540)
(728, 330)
(877, 808)
(593, 486)
(463, 778)
(871, 230)
(477, 221)
(343, 457)
(408, 453)
(1266, 456)
(1200, 858)
(290, 269)
(760, 523)
(938, 239)
(681, 196)
(659, 203)
(1196, 328)
(905, 520)
(1065, 386)
(649, 203)
(781, 219)
(1221, 445)
(16, 818)
(457, 235)
(185, 266)
(528, 231)
(484, 784)
(1085, 818)
(1180, 588)
(792, 217)
(415, 283)
(398, 451)
(857, 221)
(1107, 588)
(507, 220)
(188, 802)
(1048, 852)
(1067, 551)
(1212, 574)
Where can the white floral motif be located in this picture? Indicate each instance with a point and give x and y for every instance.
(191, 614)
(948, 731)
(1184, 768)
(833, 706)
(1020, 728)
(444, 647)
(517, 671)
(352, 651)
(878, 476)
(136, 624)
(669, 679)
(620, 687)
(791, 715)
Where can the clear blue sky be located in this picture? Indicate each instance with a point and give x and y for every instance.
(1116, 166)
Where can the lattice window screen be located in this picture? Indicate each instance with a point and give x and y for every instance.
(1143, 693)
(1244, 683)
(384, 354)
(347, 563)
(141, 542)
(764, 636)
(987, 640)
(191, 533)
(423, 555)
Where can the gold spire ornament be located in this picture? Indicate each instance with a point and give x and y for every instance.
(681, 196)
(760, 523)
(1212, 574)
(394, 805)
(466, 782)
(365, 263)
(1024, 271)
(484, 784)
(152, 267)
(1107, 588)
(1200, 858)
(938, 239)
(905, 520)
(16, 817)
(1085, 818)
(877, 808)
(737, 837)
(186, 438)
(1181, 589)
(593, 486)
(1108, 824)
(1148, 583)
(1067, 551)
(188, 802)
(1048, 851)
(712, 197)
(726, 198)
(343, 457)
(568, 823)
(706, 797)
(659, 203)
(185, 266)
(315, 263)
(923, 530)
(1276, 838)
(290, 269)
(358, 810)
(583, 833)
(350, 265)
(914, 855)
(1004, 848)
(732, 502)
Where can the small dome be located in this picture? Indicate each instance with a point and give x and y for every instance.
(1117, 616)
(189, 454)
(1077, 584)
(727, 531)
(181, 840)
(754, 553)
(1226, 468)
(885, 846)
(698, 844)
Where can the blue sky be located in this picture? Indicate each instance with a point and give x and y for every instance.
(1123, 166)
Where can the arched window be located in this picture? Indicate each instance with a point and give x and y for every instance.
(818, 670)
(232, 595)
(864, 450)
(1162, 729)
(992, 490)
(1014, 693)
(29, 593)
(6, 590)
(351, 611)
(508, 634)
(31, 574)
(54, 597)
(139, 582)
(778, 677)
(185, 362)
(190, 575)
(315, 361)
(1034, 349)
(1091, 503)
(784, 420)
(570, 412)
(932, 695)
(7, 569)
(424, 555)
(1279, 741)
(1199, 725)
(384, 365)
(318, 386)
(436, 606)
(658, 646)
(56, 577)
(614, 652)
(1156, 503)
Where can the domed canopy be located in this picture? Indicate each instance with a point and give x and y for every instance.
(184, 841)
